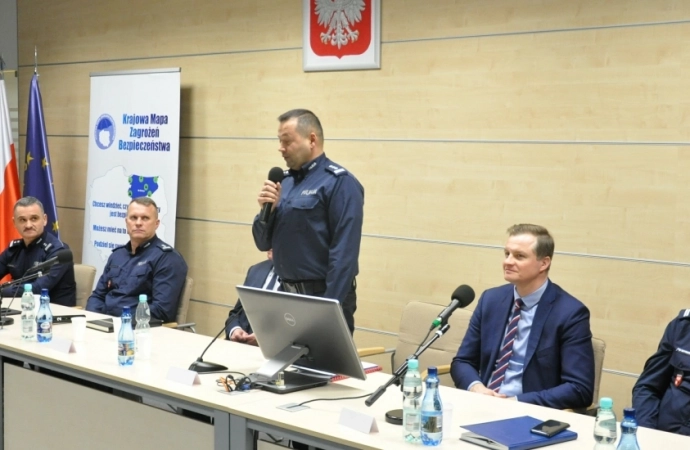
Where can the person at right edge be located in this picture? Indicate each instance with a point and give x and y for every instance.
(528, 340)
(661, 396)
(315, 224)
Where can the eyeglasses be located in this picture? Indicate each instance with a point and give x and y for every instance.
(230, 384)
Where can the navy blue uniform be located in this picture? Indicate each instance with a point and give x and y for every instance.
(316, 229)
(661, 395)
(155, 269)
(59, 280)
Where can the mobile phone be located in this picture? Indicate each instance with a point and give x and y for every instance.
(550, 428)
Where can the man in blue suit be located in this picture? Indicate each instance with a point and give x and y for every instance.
(528, 340)
(261, 275)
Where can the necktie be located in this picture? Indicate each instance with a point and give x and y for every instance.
(506, 350)
(272, 281)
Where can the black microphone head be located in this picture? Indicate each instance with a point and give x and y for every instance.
(64, 256)
(464, 294)
(276, 174)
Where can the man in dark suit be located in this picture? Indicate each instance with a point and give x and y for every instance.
(528, 340)
(261, 275)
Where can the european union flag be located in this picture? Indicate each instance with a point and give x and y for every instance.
(38, 175)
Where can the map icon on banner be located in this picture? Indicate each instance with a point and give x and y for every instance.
(114, 191)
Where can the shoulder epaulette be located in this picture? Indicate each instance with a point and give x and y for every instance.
(47, 246)
(119, 247)
(684, 314)
(336, 170)
(15, 243)
(165, 247)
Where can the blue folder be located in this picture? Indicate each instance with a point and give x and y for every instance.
(512, 434)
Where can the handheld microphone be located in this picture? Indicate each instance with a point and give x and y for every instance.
(275, 175)
(462, 296)
(61, 257)
(201, 366)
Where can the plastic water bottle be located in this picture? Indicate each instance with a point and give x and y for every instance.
(432, 411)
(142, 331)
(605, 424)
(28, 315)
(44, 318)
(629, 431)
(125, 340)
(412, 403)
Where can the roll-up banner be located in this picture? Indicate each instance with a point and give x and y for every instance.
(134, 143)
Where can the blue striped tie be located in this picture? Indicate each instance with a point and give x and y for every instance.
(506, 350)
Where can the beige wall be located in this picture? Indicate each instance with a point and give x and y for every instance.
(567, 113)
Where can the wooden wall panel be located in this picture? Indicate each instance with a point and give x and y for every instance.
(479, 17)
(527, 87)
(84, 30)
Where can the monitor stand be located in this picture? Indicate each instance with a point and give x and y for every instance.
(267, 375)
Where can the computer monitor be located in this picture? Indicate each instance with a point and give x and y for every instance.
(308, 331)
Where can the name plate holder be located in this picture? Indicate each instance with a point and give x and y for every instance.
(184, 376)
(364, 423)
(62, 345)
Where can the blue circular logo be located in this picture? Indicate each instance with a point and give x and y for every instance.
(104, 134)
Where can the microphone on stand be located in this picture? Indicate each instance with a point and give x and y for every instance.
(275, 175)
(462, 296)
(4, 320)
(201, 366)
(61, 257)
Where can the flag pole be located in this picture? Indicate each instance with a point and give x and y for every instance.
(35, 60)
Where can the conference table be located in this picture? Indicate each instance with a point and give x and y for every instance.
(84, 399)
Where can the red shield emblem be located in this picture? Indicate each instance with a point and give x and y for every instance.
(339, 27)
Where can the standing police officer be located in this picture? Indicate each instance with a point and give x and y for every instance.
(145, 265)
(661, 395)
(315, 225)
(36, 246)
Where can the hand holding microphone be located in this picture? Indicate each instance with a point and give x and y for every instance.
(270, 193)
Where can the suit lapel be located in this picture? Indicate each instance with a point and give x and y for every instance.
(543, 311)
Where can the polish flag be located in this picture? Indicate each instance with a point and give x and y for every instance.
(9, 178)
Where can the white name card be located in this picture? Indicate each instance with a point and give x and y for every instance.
(184, 376)
(62, 345)
(364, 423)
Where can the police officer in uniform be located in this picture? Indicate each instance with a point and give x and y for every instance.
(36, 246)
(145, 265)
(315, 225)
(661, 395)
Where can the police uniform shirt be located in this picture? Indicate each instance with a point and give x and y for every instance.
(59, 280)
(316, 229)
(155, 269)
(661, 395)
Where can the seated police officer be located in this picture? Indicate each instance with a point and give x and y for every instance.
(36, 246)
(661, 395)
(145, 265)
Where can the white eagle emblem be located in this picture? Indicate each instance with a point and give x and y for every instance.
(338, 16)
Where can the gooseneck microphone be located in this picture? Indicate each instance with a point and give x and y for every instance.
(275, 175)
(61, 257)
(201, 366)
(462, 296)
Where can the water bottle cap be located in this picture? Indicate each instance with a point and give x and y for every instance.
(432, 371)
(629, 412)
(142, 298)
(412, 364)
(44, 291)
(606, 402)
(27, 287)
(126, 311)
